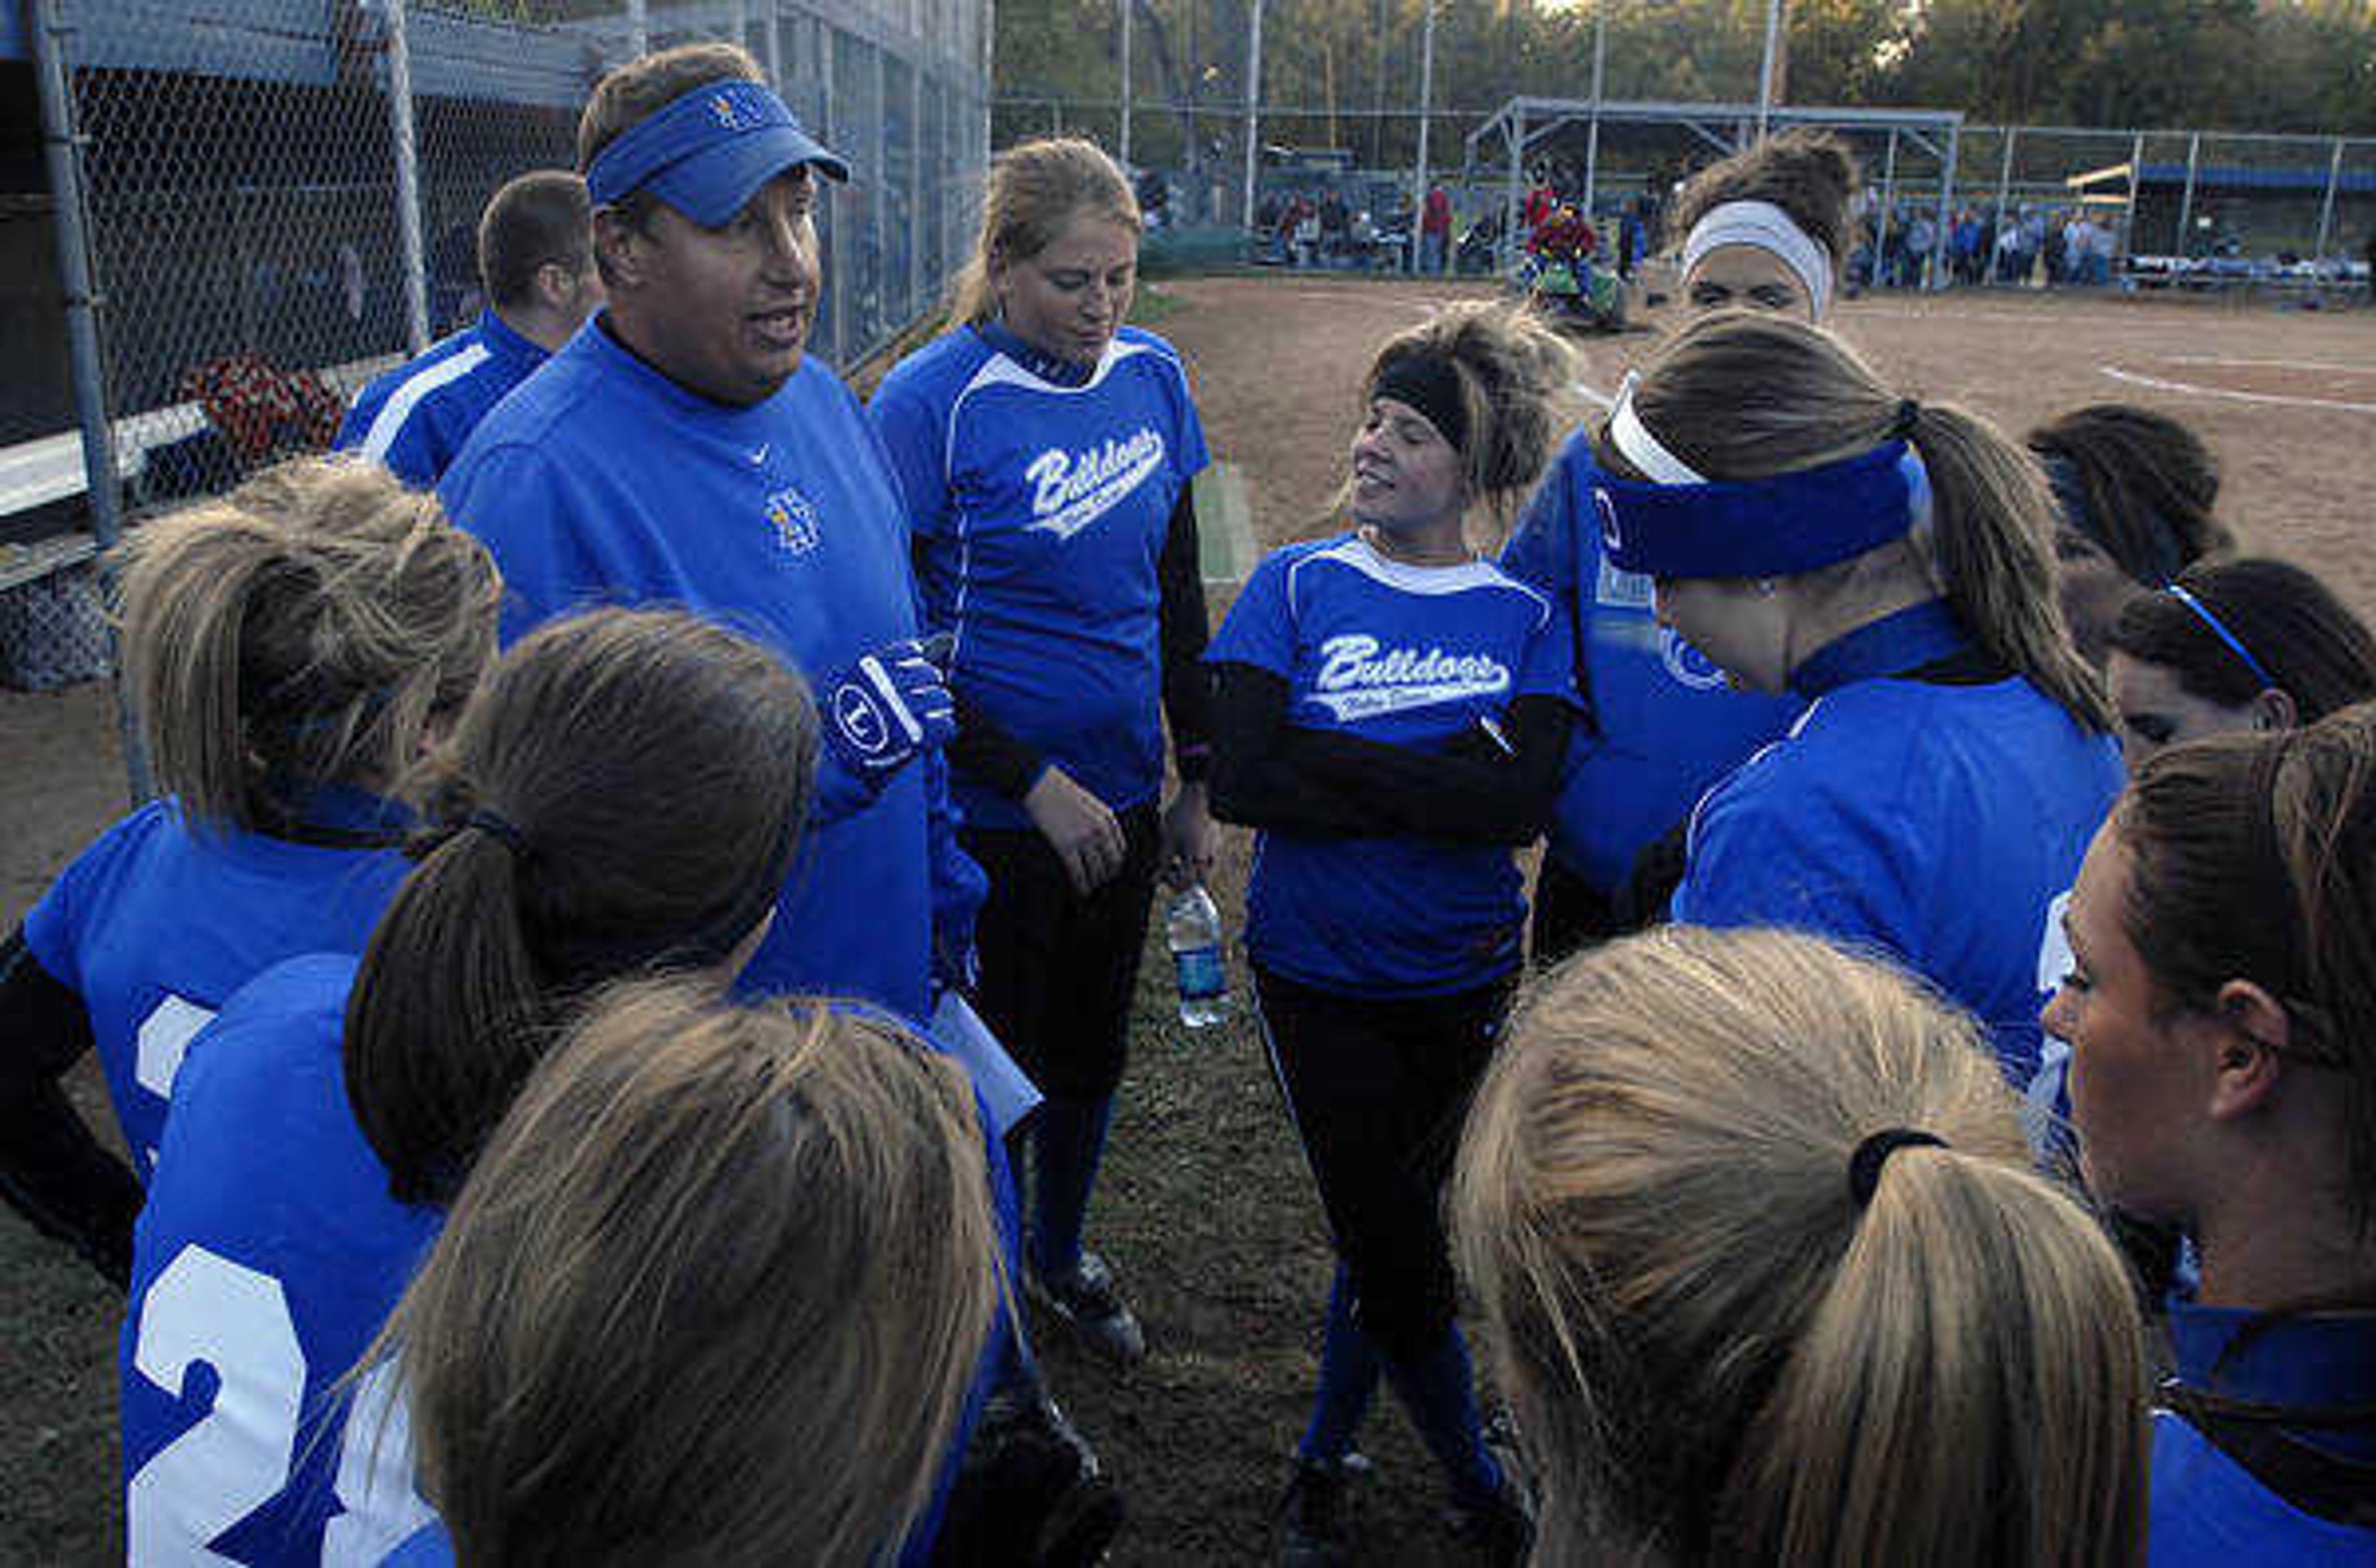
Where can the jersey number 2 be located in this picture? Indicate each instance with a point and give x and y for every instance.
(205, 1308)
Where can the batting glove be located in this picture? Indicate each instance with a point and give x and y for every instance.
(883, 711)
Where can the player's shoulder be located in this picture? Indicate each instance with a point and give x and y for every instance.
(311, 988)
(1136, 340)
(934, 373)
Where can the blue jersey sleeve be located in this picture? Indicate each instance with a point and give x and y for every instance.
(51, 924)
(1541, 549)
(516, 502)
(1260, 628)
(1549, 667)
(914, 435)
(1189, 454)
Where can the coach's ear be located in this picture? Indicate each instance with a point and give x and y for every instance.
(620, 242)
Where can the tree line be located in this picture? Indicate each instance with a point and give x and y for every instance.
(2293, 66)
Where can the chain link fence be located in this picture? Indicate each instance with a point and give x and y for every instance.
(278, 201)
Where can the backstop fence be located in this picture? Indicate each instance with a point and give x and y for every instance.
(2198, 208)
(259, 204)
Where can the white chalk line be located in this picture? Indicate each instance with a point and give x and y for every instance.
(2272, 364)
(2161, 384)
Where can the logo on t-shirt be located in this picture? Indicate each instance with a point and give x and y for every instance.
(1072, 490)
(1359, 678)
(1688, 664)
(794, 520)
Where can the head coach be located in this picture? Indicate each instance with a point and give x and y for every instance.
(683, 449)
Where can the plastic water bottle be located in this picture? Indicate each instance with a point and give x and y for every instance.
(1192, 930)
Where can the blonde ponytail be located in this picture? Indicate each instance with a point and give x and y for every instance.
(302, 631)
(1717, 1352)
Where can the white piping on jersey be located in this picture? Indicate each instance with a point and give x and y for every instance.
(399, 407)
(1358, 553)
(1000, 371)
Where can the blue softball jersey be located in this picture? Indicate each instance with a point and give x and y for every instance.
(2208, 1509)
(1665, 724)
(1934, 821)
(415, 418)
(1040, 509)
(602, 482)
(264, 1265)
(158, 923)
(1411, 656)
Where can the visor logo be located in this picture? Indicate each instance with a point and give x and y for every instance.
(723, 107)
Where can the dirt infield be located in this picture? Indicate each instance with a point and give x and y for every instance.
(1207, 1210)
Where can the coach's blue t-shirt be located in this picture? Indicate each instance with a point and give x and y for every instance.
(1412, 657)
(267, 1260)
(414, 418)
(155, 926)
(1664, 726)
(2208, 1509)
(602, 482)
(1936, 822)
(1041, 508)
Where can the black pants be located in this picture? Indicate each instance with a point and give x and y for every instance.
(1058, 970)
(1378, 1088)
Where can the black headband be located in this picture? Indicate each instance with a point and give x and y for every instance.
(1864, 1166)
(1428, 382)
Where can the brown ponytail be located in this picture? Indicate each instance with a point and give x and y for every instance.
(1716, 1351)
(302, 631)
(1747, 394)
(715, 1293)
(625, 795)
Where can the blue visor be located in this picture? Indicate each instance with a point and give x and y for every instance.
(709, 153)
(1775, 526)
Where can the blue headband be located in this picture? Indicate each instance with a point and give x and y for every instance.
(709, 151)
(1777, 526)
(2218, 629)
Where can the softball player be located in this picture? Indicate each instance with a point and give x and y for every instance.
(1045, 451)
(536, 265)
(1765, 227)
(1891, 566)
(1721, 1188)
(819, 1177)
(627, 795)
(287, 650)
(2220, 1021)
(1391, 710)
(2248, 644)
(684, 450)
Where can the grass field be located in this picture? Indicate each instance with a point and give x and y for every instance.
(1205, 1208)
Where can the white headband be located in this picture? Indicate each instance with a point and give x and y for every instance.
(1645, 451)
(1767, 227)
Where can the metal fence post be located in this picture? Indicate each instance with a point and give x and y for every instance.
(2186, 198)
(2327, 208)
(1514, 132)
(2005, 187)
(62, 151)
(1592, 137)
(1888, 202)
(408, 179)
(1254, 107)
(1418, 169)
(1945, 225)
(639, 32)
(1125, 84)
(2136, 182)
